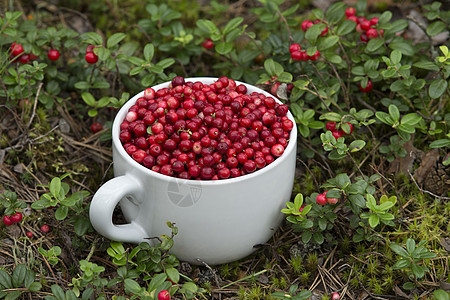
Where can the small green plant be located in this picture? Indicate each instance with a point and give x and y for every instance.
(378, 213)
(21, 281)
(412, 260)
(293, 294)
(51, 254)
(9, 201)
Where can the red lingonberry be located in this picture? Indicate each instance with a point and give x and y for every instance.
(337, 134)
(350, 11)
(29, 234)
(207, 44)
(371, 33)
(7, 220)
(96, 127)
(53, 54)
(330, 125)
(164, 295)
(91, 58)
(321, 199)
(45, 228)
(294, 47)
(17, 217)
(306, 25)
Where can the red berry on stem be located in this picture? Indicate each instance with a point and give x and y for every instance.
(90, 48)
(350, 11)
(207, 44)
(45, 228)
(306, 25)
(24, 58)
(16, 49)
(294, 47)
(91, 58)
(330, 125)
(337, 134)
(321, 199)
(365, 25)
(7, 220)
(374, 21)
(371, 33)
(96, 127)
(164, 295)
(29, 234)
(53, 54)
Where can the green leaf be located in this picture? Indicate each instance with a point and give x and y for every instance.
(396, 56)
(19, 275)
(427, 65)
(384, 117)
(374, 44)
(394, 113)
(403, 47)
(331, 116)
(440, 143)
(285, 77)
(385, 17)
(342, 180)
(173, 274)
(328, 42)
(313, 32)
(374, 220)
(318, 238)
(411, 119)
(101, 85)
(399, 250)
(95, 38)
(103, 53)
(149, 51)
(441, 295)
(61, 213)
(156, 281)
(115, 39)
(58, 292)
(166, 244)
(410, 245)
(88, 99)
(82, 85)
(401, 264)
(435, 28)
(419, 271)
(224, 48)
(232, 24)
(272, 67)
(356, 145)
(5, 280)
(207, 26)
(346, 27)
(335, 12)
(55, 184)
(306, 237)
(132, 286)
(165, 63)
(437, 88)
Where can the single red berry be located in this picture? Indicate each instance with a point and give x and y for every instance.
(24, 58)
(353, 18)
(371, 33)
(367, 88)
(294, 47)
(363, 37)
(91, 58)
(277, 150)
(177, 80)
(29, 234)
(7, 220)
(45, 228)
(207, 44)
(321, 199)
(16, 49)
(96, 127)
(335, 296)
(330, 125)
(350, 11)
(163, 295)
(306, 25)
(337, 134)
(53, 54)
(374, 21)
(324, 32)
(365, 25)
(17, 217)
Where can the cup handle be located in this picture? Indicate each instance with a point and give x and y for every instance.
(102, 208)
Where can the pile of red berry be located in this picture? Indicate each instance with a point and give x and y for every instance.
(193, 130)
(364, 26)
(337, 133)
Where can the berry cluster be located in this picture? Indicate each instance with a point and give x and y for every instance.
(337, 133)
(202, 131)
(364, 26)
(90, 56)
(297, 54)
(12, 219)
(322, 199)
(17, 51)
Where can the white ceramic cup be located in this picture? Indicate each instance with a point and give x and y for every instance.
(218, 221)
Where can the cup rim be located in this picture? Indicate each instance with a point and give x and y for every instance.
(120, 116)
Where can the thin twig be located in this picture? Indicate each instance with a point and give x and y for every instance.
(425, 191)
